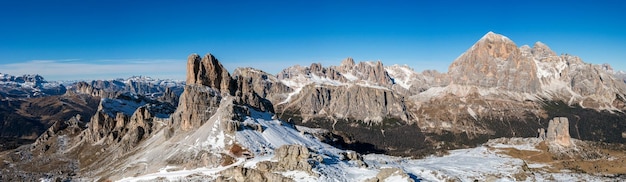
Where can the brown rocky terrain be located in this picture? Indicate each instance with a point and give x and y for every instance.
(23, 120)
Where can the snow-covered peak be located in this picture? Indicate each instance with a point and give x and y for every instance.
(28, 86)
(490, 36)
(140, 79)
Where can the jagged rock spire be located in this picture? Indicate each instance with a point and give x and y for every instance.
(208, 71)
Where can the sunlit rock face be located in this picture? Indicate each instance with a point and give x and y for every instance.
(495, 62)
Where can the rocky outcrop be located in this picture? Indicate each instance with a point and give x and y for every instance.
(126, 120)
(96, 89)
(370, 72)
(170, 96)
(56, 137)
(558, 132)
(290, 158)
(264, 84)
(207, 83)
(246, 95)
(242, 174)
(365, 73)
(208, 71)
(197, 104)
(385, 173)
(354, 157)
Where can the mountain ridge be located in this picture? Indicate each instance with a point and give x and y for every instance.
(306, 123)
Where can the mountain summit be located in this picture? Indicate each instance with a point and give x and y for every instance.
(495, 62)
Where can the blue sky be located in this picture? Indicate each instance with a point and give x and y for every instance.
(91, 39)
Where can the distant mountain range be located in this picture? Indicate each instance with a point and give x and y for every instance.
(29, 104)
(336, 123)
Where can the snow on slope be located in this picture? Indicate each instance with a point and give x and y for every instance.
(402, 75)
(483, 163)
(28, 86)
(128, 107)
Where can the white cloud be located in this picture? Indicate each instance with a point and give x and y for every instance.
(99, 69)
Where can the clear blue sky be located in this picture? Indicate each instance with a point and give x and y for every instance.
(89, 39)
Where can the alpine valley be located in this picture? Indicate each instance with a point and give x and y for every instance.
(501, 113)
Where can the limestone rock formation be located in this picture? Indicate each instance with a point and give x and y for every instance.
(208, 71)
(170, 96)
(558, 132)
(354, 157)
(126, 120)
(370, 72)
(290, 158)
(94, 90)
(197, 104)
(367, 104)
(246, 95)
(242, 174)
(207, 83)
(495, 62)
(385, 173)
(59, 131)
(264, 84)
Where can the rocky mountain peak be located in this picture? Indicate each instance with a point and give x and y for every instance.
(494, 37)
(495, 62)
(348, 62)
(541, 50)
(496, 45)
(208, 71)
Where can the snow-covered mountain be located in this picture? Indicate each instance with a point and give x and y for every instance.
(28, 86)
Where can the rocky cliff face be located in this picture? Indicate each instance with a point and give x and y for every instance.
(352, 91)
(495, 62)
(366, 104)
(208, 71)
(207, 82)
(264, 84)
